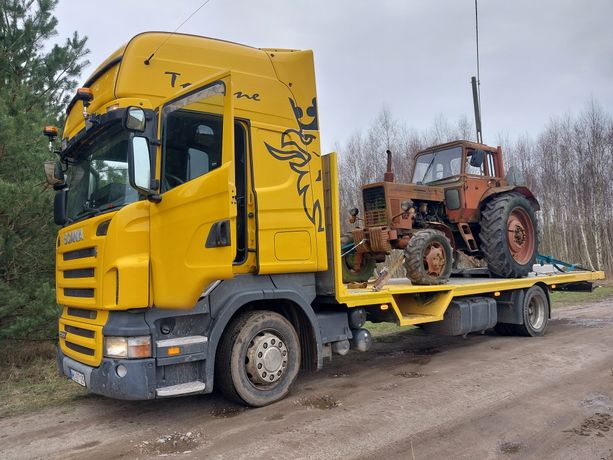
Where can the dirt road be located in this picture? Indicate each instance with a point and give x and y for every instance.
(411, 396)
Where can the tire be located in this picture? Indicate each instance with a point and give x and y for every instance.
(509, 235)
(535, 313)
(241, 375)
(367, 267)
(420, 267)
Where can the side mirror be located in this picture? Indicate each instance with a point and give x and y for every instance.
(477, 158)
(135, 119)
(54, 173)
(139, 163)
(59, 206)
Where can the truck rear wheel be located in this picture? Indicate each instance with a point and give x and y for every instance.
(509, 235)
(428, 258)
(258, 358)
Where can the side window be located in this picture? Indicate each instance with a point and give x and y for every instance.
(473, 170)
(192, 146)
(491, 165)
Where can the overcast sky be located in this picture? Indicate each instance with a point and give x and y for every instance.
(538, 58)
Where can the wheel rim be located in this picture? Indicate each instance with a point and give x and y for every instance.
(520, 235)
(266, 358)
(434, 259)
(536, 312)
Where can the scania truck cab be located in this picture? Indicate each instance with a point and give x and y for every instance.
(200, 232)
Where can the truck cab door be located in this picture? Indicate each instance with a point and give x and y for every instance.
(193, 227)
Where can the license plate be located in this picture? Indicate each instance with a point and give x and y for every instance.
(78, 377)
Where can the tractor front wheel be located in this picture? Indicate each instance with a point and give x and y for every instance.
(509, 235)
(367, 264)
(428, 258)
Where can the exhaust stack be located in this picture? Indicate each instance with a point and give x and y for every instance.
(389, 175)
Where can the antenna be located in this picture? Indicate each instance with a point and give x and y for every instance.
(476, 82)
(148, 60)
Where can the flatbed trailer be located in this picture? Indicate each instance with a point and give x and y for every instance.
(211, 256)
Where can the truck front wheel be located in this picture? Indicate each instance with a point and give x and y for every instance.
(258, 358)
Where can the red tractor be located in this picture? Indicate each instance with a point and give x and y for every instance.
(460, 213)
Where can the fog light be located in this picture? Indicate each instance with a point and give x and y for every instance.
(121, 370)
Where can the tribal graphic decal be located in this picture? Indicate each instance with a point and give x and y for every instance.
(294, 144)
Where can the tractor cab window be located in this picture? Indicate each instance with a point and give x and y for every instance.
(193, 145)
(474, 170)
(436, 166)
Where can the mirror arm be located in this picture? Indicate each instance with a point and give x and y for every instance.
(154, 197)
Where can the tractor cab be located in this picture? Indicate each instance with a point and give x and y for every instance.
(466, 170)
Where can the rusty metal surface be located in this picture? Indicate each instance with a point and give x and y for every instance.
(378, 238)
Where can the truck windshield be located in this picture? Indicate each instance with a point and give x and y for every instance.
(98, 179)
(435, 166)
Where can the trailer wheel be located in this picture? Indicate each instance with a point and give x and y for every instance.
(428, 258)
(509, 235)
(258, 358)
(535, 313)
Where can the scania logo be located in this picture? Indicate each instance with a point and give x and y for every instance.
(73, 236)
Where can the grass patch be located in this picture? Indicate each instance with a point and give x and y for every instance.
(30, 379)
(379, 329)
(564, 299)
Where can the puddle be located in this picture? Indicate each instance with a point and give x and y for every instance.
(598, 401)
(174, 443)
(320, 402)
(227, 412)
(409, 375)
(510, 447)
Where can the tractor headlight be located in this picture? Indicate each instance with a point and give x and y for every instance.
(353, 212)
(405, 205)
(127, 347)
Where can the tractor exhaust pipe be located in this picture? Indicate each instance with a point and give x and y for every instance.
(389, 175)
(477, 106)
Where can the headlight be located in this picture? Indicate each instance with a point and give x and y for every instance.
(127, 347)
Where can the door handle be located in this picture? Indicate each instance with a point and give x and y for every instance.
(219, 235)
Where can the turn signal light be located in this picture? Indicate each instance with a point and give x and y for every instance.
(85, 94)
(173, 351)
(50, 131)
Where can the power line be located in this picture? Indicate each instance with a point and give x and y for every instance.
(148, 60)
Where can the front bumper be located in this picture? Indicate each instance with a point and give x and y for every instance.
(139, 381)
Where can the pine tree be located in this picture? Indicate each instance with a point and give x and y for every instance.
(36, 81)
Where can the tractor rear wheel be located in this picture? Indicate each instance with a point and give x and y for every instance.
(428, 258)
(508, 235)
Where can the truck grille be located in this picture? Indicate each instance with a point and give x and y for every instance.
(76, 277)
(79, 340)
(374, 206)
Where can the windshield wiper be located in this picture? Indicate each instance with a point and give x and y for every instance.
(88, 212)
(428, 169)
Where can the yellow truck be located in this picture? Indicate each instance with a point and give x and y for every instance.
(200, 241)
